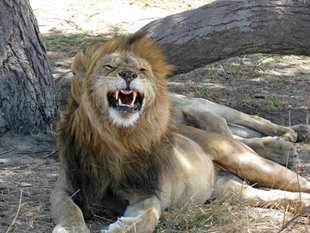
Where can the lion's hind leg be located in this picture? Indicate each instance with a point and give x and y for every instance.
(188, 111)
(228, 186)
(230, 115)
(273, 148)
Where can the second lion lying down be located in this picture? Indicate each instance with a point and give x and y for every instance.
(121, 152)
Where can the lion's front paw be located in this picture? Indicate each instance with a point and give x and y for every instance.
(124, 224)
(303, 132)
(289, 153)
(290, 136)
(79, 228)
(279, 150)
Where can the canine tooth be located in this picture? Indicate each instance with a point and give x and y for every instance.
(120, 102)
(116, 94)
(134, 96)
(135, 93)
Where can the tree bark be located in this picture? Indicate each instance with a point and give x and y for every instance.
(27, 93)
(227, 28)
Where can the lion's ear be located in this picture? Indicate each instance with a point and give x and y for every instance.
(82, 60)
(80, 66)
(136, 37)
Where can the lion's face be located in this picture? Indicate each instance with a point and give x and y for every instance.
(123, 87)
(120, 90)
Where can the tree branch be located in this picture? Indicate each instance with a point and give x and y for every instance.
(227, 28)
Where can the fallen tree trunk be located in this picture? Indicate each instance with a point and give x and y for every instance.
(227, 28)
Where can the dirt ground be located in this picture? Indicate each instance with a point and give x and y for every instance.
(271, 86)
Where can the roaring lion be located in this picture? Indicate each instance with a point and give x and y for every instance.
(121, 152)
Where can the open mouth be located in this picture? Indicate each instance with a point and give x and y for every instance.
(125, 100)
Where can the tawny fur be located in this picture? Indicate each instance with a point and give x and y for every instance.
(138, 170)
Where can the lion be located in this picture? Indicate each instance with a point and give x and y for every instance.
(269, 140)
(122, 153)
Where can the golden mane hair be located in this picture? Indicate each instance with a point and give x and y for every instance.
(102, 160)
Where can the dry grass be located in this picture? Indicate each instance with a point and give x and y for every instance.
(193, 218)
(230, 216)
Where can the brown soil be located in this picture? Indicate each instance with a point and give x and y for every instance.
(269, 86)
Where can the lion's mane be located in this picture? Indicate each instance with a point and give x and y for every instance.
(101, 160)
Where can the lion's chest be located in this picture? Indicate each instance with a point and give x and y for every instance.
(111, 182)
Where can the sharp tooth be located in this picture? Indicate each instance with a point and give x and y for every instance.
(116, 94)
(120, 102)
(134, 96)
(135, 93)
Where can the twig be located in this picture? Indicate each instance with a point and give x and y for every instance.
(69, 198)
(7, 151)
(296, 164)
(226, 76)
(34, 152)
(97, 216)
(308, 115)
(18, 209)
(94, 15)
(305, 211)
(297, 177)
(257, 64)
(49, 154)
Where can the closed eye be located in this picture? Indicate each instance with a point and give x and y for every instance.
(109, 67)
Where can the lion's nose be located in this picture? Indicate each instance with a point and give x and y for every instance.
(128, 75)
